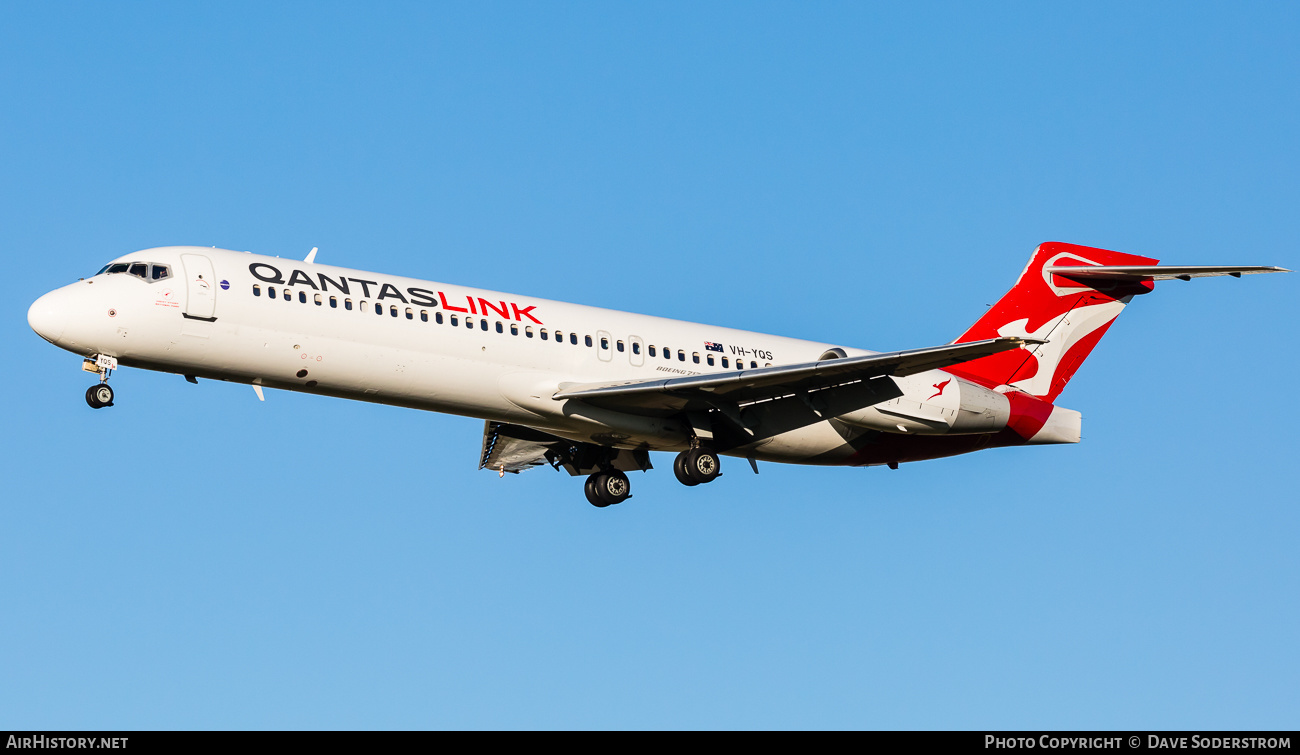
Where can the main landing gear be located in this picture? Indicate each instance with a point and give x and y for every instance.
(696, 466)
(100, 396)
(607, 488)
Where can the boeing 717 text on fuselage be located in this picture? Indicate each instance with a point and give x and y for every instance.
(593, 391)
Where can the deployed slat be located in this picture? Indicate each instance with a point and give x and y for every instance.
(511, 448)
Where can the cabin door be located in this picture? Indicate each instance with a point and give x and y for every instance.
(200, 287)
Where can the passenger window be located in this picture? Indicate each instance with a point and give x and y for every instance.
(410, 313)
(709, 359)
(257, 290)
(726, 362)
(334, 302)
(528, 331)
(514, 329)
(437, 316)
(482, 325)
(681, 355)
(753, 365)
(695, 357)
(160, 271)
(500, 328)
(588, 340)
(469, 323)
(302, 297)
(652, 351)
(140, 270)
(455, 321)
(319, 301)
(288, 295)
(363, 305)
(636, 348)
(424, 315)
(543, 334)
(392, 310)
(379, 308)
(573, 338)
(668, 353)
(604, 344)
(347, 304)
(618, 345)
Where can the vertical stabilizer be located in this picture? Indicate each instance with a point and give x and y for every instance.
(1070, 314)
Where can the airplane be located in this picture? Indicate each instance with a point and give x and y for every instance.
(593, 391)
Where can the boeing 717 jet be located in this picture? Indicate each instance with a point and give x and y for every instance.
(593, 391)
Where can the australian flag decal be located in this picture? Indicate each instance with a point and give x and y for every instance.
(711, 346)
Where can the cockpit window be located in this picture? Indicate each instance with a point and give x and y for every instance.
(142, 270)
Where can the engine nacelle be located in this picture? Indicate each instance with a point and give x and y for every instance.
(936, 403)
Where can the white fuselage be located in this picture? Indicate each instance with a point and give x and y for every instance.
(294, 325)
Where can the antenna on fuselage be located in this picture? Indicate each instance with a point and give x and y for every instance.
(311, 256)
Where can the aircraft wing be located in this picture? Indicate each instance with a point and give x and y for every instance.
(664, 395)
(1135, 273)
(514, 448)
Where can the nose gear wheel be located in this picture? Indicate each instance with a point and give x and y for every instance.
(99, 396)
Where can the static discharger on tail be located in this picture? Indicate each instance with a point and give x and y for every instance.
(594, 391)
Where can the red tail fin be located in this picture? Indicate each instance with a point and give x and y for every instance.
(1070, 315)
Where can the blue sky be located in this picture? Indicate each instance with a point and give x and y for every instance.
(872, 175)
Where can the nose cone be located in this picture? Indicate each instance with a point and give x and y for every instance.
(47, 318)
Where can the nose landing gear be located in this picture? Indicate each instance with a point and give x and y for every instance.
(100, 396)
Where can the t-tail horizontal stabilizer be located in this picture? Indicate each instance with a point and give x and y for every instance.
(1137, 273)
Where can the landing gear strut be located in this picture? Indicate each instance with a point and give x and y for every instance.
(607, 488)
(100, 396)
(696, 466)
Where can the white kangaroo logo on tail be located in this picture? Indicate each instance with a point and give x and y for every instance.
(1060, 333)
